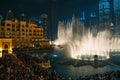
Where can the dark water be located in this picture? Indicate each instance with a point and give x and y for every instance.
(74, 72)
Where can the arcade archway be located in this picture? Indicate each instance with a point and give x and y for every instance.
(5, 46)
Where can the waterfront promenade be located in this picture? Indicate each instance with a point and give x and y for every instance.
(22, 66)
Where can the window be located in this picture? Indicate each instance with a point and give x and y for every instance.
(18, 26)
(23, 34)
(8, 24)
(26, 25)
(6, 46)
(30, 30)
(8, 29)
(22, 38)
(2, 24)
(41, 34)
(13, 29)
(30, 39)
(2, 29)
(2, 33)
(13, 33)
(17, 29)
(23, 26)
(13, 25)
(22, 29)
(30, 34)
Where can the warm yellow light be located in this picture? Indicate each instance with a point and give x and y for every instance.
(0, 49)
(10, 51)
(0, 52)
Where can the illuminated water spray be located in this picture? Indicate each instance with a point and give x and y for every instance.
(85, 43)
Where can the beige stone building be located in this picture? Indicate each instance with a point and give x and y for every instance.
(22, 33)
(5, 46)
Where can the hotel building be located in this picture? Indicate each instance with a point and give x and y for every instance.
(22, 33)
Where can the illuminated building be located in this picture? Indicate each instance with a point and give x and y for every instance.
(22, 33)
(117, 15)
(117, 10)
(93, 22)
(109, 15)
(104, 14)
(5, 46)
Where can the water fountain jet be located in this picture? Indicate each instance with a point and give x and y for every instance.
(83, 43)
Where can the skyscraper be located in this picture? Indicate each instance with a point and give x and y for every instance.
(53, 16)
(117, 16)
(105, 17)
(117, 8)
(44, 23)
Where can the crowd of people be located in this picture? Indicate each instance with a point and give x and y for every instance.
(104, 76)
(26, 67)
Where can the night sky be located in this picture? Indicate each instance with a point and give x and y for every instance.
(57, 10)
(34, 8)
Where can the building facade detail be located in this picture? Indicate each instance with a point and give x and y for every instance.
(22, 33)
(5, 46)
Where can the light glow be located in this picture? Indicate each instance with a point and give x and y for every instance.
(84, 43)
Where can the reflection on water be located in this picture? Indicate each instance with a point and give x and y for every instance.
(74, 72)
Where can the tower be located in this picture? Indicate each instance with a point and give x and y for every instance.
(117, 11)
(22, 17)
(93, 19)
(116, 7)
(93, 22)
(53, 26)
(44, 23)
(105, 17)
(10, 15)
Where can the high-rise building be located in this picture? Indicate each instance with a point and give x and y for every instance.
(117, 11)
(105, 17)
(44, 23)
(117, 16)
(93, 22)
(53, 21)
(93, 19)
(109, 15)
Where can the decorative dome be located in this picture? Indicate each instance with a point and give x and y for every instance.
(10, 15)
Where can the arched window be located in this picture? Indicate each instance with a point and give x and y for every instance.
(6, 46)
